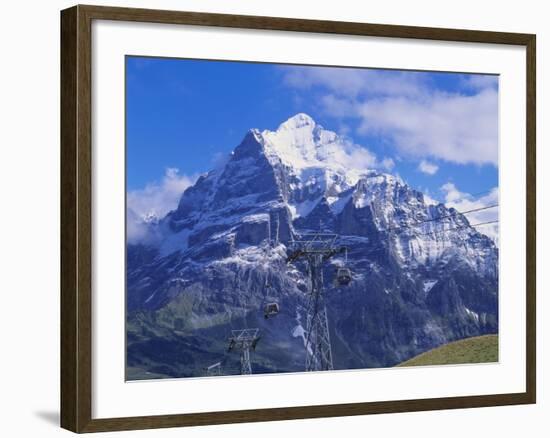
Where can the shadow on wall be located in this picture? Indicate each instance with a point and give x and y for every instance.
(51, 417)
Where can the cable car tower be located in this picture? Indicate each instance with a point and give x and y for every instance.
(244, 340)
(316, 249)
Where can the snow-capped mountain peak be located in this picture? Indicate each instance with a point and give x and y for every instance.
(422, 276)
(299, 120)
(314, 155)
(300, 142)
(302, 176)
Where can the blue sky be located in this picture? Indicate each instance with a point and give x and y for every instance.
(438, 131)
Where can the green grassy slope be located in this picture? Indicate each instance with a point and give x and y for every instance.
(480, 349)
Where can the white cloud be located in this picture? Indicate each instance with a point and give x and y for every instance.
(158, 198)
(353, 156)
(344, 130)
(455, 128)
(428, 168)
(137, 230)
(419, 120)
(353, 82)
(428, 199)
(154, 201)
(338, 107)
(462, 201)
(387, 163)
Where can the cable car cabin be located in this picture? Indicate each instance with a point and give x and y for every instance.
(231, 345)
(271, 310)
(343, 276)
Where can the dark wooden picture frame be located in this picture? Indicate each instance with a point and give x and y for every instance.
(76, 218)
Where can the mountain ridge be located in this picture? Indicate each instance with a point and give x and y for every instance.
(228, 235)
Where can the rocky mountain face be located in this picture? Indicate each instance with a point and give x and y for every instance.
(422, 276)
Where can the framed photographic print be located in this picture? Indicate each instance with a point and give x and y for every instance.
(255, 208)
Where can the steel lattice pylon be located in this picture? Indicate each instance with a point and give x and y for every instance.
(244, 340)
(316, 249)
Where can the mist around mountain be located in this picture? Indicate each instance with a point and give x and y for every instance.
(422, 275)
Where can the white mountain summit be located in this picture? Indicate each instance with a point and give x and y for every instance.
(304, 146)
